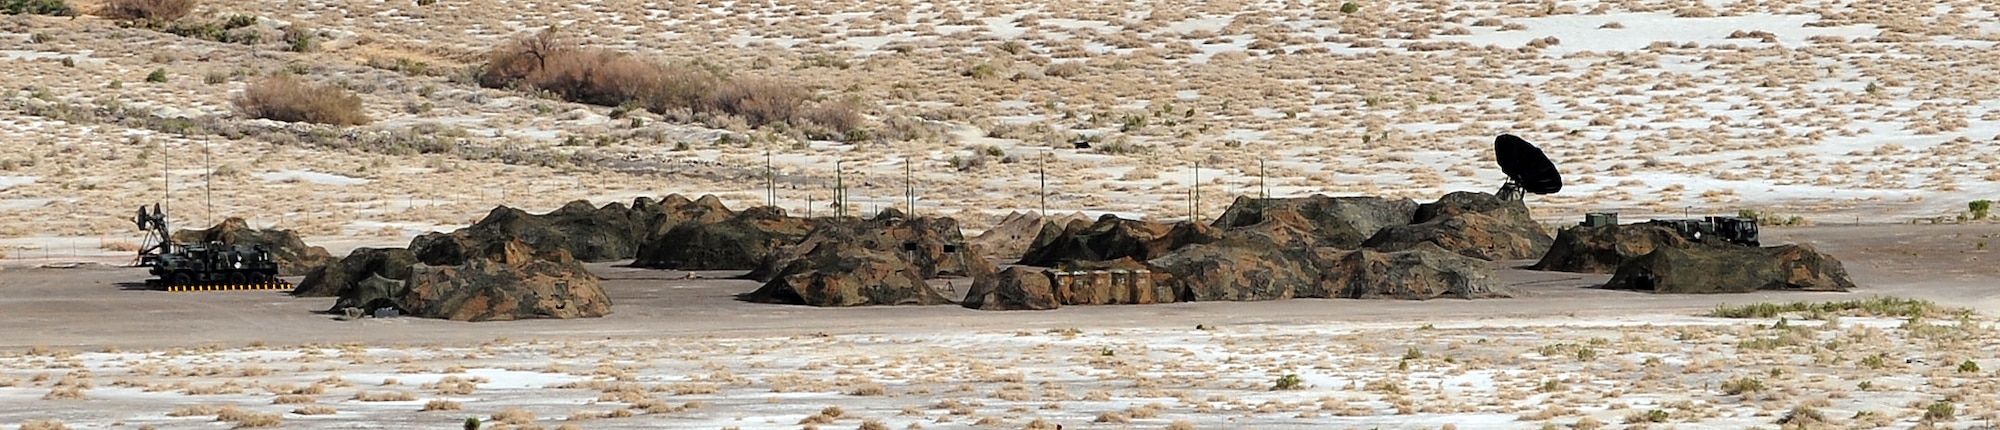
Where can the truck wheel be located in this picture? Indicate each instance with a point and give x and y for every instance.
(182, 278)
(237, 278)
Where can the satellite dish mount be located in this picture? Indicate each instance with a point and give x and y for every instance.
(1528, 169)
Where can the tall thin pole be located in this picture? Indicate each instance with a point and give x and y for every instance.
(1042, 168)
(166, 174)
(1194, 208)
(839, 189)
(770, 179)
(1264, 188)
(909, 186)
(207, 185)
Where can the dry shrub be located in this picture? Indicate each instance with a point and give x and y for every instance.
(549, 62)
(511, 62)
(44, 425)
(514, 416)
(868, 390)
(65, 393)
(760, 101)
(292, 399)
(873, 424)
(442, 405)
(1064, 69)
(247, 419)
(195, 410)
(289, 99)
(609, 78)
(147, 10)
(388, 396)
(452, 385)
(687, 388)
(1180, 425)
(314, 410)
(836, 118)
(546, 61)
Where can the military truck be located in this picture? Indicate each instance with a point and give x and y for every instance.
(202, 266)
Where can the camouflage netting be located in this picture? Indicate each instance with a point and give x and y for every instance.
(933, 244)
(1271, 259)
(1112, 238)
(611, 232)
(502, 280)
(1014, 289)
(1602, 249)
(1116, 282)
(737, 243)
(505, 281)
(1422, 272)
(346, 273)
(293, 256)
(1339, 222)
(1722, 268)
(1015, 232)
(1476, 225)
(845, 273)
(1274, 249)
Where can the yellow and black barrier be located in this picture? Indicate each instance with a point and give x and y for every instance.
(231, 287)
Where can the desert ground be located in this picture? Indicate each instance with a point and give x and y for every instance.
(1870, 122)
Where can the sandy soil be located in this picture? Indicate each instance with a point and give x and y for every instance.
(683, 354)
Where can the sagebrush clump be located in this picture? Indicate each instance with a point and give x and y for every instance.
(290, 99)
(147, 10)
(547, 61)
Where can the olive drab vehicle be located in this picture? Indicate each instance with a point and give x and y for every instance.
(202, 266)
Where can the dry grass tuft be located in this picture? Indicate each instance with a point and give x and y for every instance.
(195, 410)
(248, 419)
(514, 416)
(290, 99)
(44, 425)
(1112, 417)
(65, 393)
(314, 410)
(442, 405)
(292, 399)
(384, 396)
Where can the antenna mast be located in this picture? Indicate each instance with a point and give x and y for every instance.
(207, 184)
(166, 175)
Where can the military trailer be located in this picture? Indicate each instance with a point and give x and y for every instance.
(1736, 230)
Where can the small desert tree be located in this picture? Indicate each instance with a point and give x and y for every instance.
(290, 99)
(1980, 208)
(523, 56)
(147, 10)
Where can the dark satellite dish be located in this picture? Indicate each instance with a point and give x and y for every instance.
(1527, 168)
